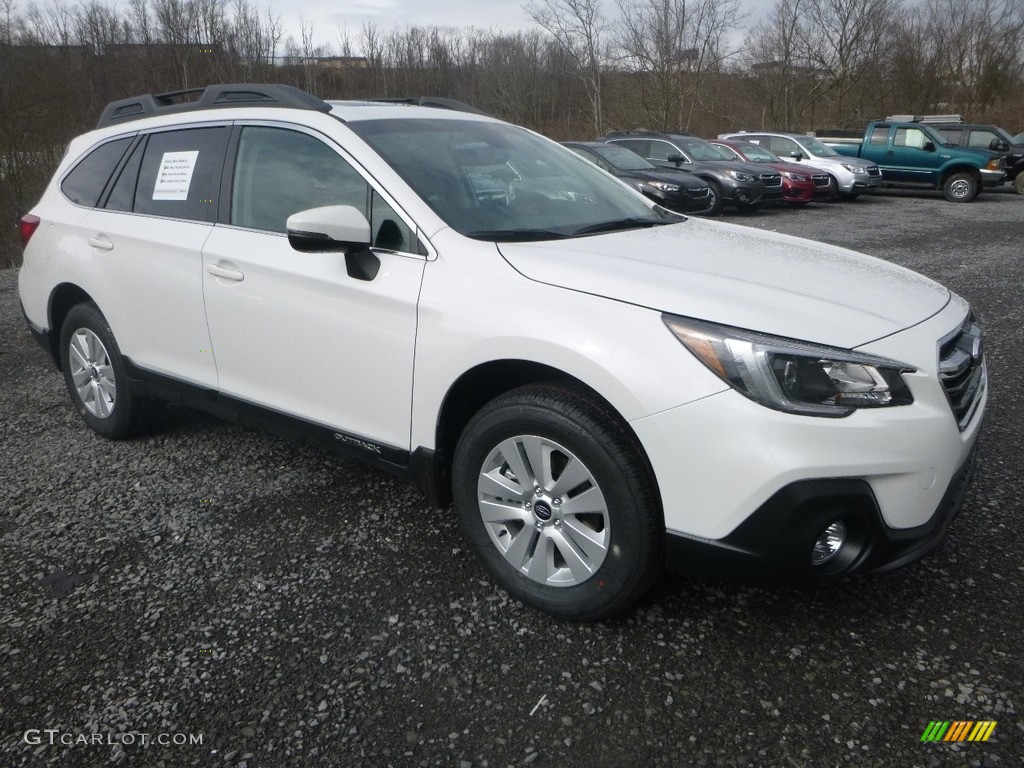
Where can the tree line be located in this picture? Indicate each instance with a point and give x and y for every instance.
(586, 66)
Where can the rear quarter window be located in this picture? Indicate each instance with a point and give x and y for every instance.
(85, 183)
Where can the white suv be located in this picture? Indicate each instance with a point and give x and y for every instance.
(602, 387)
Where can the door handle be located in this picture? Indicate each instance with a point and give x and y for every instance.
(101, 243)
(226, 271)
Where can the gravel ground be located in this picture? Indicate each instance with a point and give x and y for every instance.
(269, 604)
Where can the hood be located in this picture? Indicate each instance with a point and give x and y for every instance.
(738, 276)
(801, 168)
(681, 178)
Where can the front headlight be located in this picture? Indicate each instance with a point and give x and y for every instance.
(663, 186)
(740, 176)
(794, 176)
(854, 168)
(794, 376)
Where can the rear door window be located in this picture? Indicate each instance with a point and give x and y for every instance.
(85, 183)
(180, 174)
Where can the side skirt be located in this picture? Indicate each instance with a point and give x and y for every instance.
(420, 467)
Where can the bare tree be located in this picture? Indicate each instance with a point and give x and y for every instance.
(675, 44)
(579, 28)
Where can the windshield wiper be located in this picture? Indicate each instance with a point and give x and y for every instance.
(516, 235)
(617, 224)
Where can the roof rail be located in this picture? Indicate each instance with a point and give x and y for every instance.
(211, 97)
(432, 101)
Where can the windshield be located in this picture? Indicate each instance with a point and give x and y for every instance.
(622, 158)
(494, 181)
(757, 154)
(702, 150)
(817, 148)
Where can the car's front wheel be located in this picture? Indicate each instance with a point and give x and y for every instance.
(556, 500)
(961, 188)
(1018, 184)
(95, 375)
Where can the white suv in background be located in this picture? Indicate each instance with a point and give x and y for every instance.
(853, 175)
(600, 386)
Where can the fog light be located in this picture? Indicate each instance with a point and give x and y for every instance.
(829, 543)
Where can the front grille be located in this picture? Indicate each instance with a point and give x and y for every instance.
(771, 179)
(962, 370)
(874, 171)
(820, 179)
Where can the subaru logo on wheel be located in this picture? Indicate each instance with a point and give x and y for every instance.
(542, 510)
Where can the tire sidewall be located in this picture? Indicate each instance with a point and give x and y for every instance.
(614, 584)
(122, 420)
(973, 189)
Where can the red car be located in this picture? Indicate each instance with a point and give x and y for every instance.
(800, 183)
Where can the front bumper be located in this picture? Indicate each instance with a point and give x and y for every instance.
(992, 178)
(774, 544)
(743, 192)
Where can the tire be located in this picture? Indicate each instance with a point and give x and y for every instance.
(849, 196)
(554, 498)
(960, 188)
(715, 206)
(748, 207)
(833, 189)
(96, 377)
(1018, 183)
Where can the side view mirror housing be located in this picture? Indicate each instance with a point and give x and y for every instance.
(797, 155)
(677, 159)
(998, 145)
(929, 146)
(330, 229)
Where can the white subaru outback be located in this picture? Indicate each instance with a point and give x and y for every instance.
(601, 387)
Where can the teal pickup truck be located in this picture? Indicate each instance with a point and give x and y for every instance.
(912, 154)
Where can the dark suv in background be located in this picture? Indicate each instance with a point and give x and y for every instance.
(989, 137)
(674, 189)
(743, 185)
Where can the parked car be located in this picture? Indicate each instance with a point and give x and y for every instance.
(913, 154)
(800, 183)
(741, 185)
(993, 138)
(601, 386)
(676, 190)
(1018, 139)
(852, 178)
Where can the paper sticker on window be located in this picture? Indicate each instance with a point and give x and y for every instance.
(174, 177)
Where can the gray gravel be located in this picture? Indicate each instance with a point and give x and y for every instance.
(290, 608)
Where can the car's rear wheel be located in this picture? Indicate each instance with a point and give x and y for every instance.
(555, 499)
(95, 375)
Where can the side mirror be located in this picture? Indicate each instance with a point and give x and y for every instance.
(998, 145)
(335, 229)
(332, 228)
(929, 146)
(677, 159)
(797, 155)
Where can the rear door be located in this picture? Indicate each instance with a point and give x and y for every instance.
(149, 231)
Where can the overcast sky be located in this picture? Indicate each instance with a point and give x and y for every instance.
(328, 17)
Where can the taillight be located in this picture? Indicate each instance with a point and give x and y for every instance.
(27, 225)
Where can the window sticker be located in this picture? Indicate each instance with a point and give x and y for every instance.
(174, 177)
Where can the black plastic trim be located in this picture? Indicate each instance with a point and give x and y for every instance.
(416, 467)
(432, 101)
(43, 337)
(774, 544)
(217, 96)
